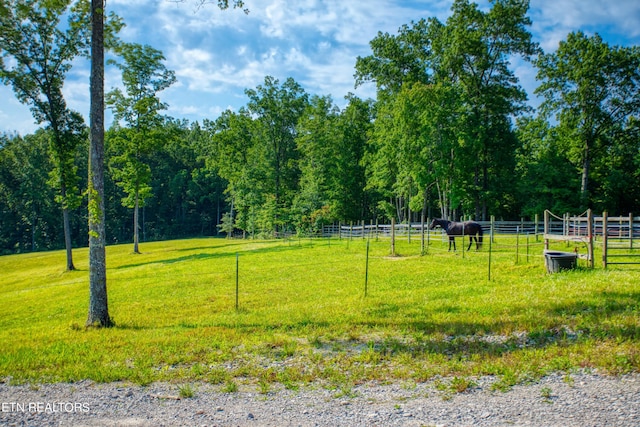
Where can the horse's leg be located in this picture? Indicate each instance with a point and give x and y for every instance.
(452, 240)
(471, 239)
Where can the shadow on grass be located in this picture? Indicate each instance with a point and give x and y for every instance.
(591, 316)
(388, 332)
(203, 256)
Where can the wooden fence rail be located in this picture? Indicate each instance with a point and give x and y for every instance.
(619, 235)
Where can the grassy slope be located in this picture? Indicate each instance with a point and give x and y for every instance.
(303, 316)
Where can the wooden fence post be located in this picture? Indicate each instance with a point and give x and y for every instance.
(546, 229)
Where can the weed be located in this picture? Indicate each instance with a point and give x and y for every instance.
(460, 385)
(218, 376)
(230, 387)
(346, 390)
(506, 382)
(264, 386)
(546, 394)
(316, 342)
(197, 370)
(186, 391)
(569, 380)
(409, 385)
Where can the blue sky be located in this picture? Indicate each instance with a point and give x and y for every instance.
(217, 55)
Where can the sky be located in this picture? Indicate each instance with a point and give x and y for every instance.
(216, 55)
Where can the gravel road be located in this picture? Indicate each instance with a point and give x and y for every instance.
(587, 399)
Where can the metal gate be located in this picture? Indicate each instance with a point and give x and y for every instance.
(620, 240)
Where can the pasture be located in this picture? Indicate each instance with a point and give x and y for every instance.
(303, 318)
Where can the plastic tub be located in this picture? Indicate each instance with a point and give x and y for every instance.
(556, 261)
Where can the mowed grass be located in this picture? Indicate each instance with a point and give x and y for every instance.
(303, 317)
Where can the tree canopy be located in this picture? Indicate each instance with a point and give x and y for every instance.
(449, 134)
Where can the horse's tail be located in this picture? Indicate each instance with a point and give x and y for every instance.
(480, 236)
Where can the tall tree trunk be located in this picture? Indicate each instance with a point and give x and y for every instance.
(98, 306)
(34, 222)
(67, 239)
(67, 229)
(584, 185)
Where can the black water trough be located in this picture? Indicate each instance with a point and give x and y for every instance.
(556, 261)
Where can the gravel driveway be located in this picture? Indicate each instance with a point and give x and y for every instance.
(587, 399)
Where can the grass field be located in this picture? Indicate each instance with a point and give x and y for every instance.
(303, 317)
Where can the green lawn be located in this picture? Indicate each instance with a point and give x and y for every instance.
(303, 317)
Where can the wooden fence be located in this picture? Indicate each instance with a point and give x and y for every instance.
(363, 229)
(616, 234)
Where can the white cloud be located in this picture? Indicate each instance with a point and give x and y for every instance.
(14, 116)
(554, 20)
(218, 54)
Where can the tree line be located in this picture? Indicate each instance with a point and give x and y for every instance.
(449, 134)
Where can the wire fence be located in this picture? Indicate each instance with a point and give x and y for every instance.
(363, 230)
(497, 249)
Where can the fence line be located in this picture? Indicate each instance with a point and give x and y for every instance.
(615, 233)
(361, 229)
(618, 234)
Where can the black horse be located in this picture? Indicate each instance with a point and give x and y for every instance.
(467, 228)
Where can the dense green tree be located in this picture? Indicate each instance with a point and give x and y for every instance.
(288, 159)
(399, 59)
(204, 191)
(428, 122)
(28, 216)
(317, 142)
(277, 109)
(546, 178)
(396, 61)
(187, 195)
(331, 145)
(347, 181)
(239, 161)
(592, 91)
(470, 55)
(476, 52)
(143, 76)
(617, 174)
(36, 52)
